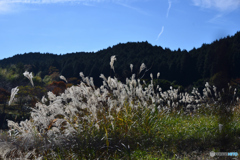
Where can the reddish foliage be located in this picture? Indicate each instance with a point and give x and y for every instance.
(57, 87)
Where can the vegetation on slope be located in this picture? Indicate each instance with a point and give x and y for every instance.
(218, 59)
(129, 120)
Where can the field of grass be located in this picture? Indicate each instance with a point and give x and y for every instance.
(143, 135)
(126, 121)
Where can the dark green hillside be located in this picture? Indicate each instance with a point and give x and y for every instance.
(209, 62)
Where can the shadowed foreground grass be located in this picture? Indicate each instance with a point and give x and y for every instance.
(141, 134)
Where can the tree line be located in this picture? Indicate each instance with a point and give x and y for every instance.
(217, 62)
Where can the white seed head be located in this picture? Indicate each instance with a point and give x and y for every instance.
(160, 89)
(158, 74)
(13, 93)
(103, 77)
(29, 76)
(81, 75)
(133, 76)
(142, 67)
(169, 103)
(44, 99)
(151, 75)
(63, 78)
(207, 85)
(131, 67)
(144, 82)
(113, 58)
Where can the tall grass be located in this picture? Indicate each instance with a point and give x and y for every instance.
(123, 121)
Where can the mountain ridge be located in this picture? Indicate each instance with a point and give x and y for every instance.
(184, 67)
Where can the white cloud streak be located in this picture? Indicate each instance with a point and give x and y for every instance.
(8, 5)
(46, 1)
(169, 6)
(214, 19)
(133, 8)
(222, 5)
(5, 7)
(160, 33)
(58, 1)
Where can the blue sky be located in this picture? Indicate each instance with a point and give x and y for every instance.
(65, 26)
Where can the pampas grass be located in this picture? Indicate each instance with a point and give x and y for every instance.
(13, 93)
(112, 121)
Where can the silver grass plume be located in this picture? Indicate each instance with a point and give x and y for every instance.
(113, 58)
(29, 76)
(142, 67)
(82, 76)
(63, 78)
(13, 93)
(151, 75)
(158, 74)
(92, 82)
(44, 100)
(131, 67)
(103, 77)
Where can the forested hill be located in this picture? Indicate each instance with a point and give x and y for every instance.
(218, 61)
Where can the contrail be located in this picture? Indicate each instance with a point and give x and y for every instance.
(169, 6)
(160, 33)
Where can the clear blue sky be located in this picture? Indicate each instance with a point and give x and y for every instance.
(65, 26)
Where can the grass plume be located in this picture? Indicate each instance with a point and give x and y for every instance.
(122, 121)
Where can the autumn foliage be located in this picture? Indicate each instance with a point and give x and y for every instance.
(57, 87)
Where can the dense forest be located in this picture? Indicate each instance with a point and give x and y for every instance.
(217, 63)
